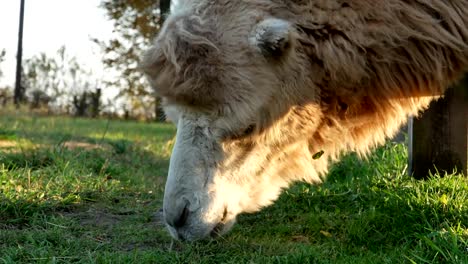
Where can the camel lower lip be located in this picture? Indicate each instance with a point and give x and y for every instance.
(217, 230)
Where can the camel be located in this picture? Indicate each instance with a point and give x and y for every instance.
(265, 93)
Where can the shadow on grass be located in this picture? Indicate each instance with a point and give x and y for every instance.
(364, 207)
(6, 134)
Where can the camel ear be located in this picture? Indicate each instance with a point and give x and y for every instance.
(272, 37)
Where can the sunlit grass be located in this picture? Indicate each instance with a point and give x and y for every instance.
(88, 191)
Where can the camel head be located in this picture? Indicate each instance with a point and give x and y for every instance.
(229, 79)
(267, 92)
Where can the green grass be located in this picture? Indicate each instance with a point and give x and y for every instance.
(88, 191)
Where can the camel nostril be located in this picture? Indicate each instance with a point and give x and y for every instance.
(180, 222)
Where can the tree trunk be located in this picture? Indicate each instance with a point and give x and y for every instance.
(95, 103)
(164, 8)
(19, 93)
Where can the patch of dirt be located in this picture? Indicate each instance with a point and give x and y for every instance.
(96, 217)
(7, 143)
(104, 220)
(148, 244)
(72, 145)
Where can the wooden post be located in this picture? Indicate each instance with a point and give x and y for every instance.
(438, 140)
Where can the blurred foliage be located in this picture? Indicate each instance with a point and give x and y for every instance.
(53, 82)
(136, 23)
(5, 92)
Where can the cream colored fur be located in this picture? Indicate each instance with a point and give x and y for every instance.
(258, 87)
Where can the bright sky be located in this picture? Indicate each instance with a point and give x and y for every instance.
(50, 24)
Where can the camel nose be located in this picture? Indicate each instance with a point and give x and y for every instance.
(180, 222)
(180, 219)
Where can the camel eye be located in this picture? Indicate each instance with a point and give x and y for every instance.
(249, 130)
(243, 133)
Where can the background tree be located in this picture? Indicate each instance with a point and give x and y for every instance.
(2, 58)
(136, 23)
(5, 92)
(87, 103)
(43, 75)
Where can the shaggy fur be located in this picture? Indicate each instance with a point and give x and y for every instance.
(344, 76)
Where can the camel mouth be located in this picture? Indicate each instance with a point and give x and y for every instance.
(186, 228)
(220, 228)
